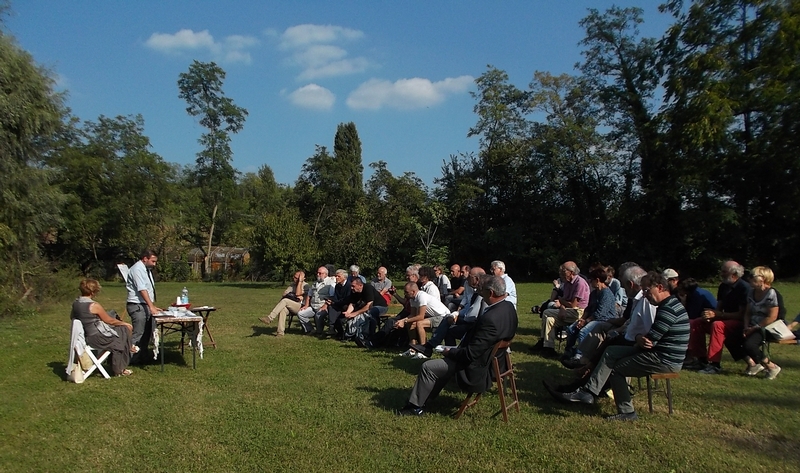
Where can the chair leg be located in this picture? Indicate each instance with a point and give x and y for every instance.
(650, 394)
(467, 404)
(501, 394)
(669, 396)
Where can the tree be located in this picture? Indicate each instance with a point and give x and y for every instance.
(283, 243)
(213, 175)
(31, 116)
(121, 194)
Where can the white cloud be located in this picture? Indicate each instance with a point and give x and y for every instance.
(316, 50)
(406, 93)
(313, 96)
(304, 35)
(230, 49)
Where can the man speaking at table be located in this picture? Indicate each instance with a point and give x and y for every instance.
(470, 361)
(141, 303)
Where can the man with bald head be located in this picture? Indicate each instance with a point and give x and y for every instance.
(568, 308)
(382, 284)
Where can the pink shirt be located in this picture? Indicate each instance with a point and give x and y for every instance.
(577, 288)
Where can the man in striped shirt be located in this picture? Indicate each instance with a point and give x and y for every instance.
(660, 351)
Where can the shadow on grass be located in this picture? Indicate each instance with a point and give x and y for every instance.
(529, 376)
(259, 330)
(394, 399)
(59, 369)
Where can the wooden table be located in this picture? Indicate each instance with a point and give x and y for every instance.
(204, 311)
(167, 323)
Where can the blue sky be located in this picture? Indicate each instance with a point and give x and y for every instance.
(401, 71)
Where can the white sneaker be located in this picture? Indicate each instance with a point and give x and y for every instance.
(773, 373)
(409, 353)
(418, 356)
(754, 370)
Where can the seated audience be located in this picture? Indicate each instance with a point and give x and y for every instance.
(290, 302)
(695, 298)
(725, 322)
(453, 297)
(379, 338)
(102, 331)
(762, 309)
(364, 308)
(568, 309)
(660, 351)
(442, 281)
(601, 311)
(337, 304)
(620, 296)
(498, 268)
(457, 324)
(426, 311)
(315, 305)
(470, 361)
(382, 284)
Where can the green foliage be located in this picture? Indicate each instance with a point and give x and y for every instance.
(213, 176)
(30, 119)
(283, 243)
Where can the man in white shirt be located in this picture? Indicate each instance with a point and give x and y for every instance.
(423, 306)
(315, 303)
(141, 302)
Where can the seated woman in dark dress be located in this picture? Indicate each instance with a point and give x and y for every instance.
(102, 331)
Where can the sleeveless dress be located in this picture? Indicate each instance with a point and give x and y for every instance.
(102, 336)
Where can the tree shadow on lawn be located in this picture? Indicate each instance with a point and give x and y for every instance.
(253, 285)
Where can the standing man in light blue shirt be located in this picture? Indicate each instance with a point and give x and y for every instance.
(141, 302)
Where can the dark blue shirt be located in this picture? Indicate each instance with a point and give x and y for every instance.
(698, 301)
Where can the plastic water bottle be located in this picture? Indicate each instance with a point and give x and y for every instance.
(184, 296)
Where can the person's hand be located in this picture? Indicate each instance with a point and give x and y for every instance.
(643, 342)
(400, 323)
(452, 319)
(708, 314)
(557, 304)
(555, 283)
(581, 323)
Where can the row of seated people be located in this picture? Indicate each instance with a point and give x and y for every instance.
(353, 309)
(736, 318)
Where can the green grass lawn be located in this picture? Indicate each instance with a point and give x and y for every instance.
(262, 403)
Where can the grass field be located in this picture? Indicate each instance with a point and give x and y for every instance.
(262, 403)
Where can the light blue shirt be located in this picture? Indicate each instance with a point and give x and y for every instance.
(511, 290)
(139, 280)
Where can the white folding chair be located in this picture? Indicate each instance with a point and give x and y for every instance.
(79, 346)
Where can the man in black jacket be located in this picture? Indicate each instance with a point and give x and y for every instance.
(469, 362)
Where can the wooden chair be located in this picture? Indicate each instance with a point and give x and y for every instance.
(653, 379)
(500, 350)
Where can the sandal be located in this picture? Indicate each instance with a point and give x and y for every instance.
(125, 372)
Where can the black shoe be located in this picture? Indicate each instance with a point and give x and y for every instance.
(578, 395)
(411, 410)
(426, 349)
(572, 363)
(548, 352)
(538, 347)
(695, 365)
(359, 342)
(630, 416)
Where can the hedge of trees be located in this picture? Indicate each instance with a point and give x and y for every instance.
(677, 151)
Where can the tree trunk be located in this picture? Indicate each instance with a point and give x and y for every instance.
(210, 236)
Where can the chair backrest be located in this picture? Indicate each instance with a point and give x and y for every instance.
(501, 350)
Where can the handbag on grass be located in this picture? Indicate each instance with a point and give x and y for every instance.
(779, 331)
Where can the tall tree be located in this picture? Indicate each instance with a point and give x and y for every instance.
(201, 88)
(31, 115)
